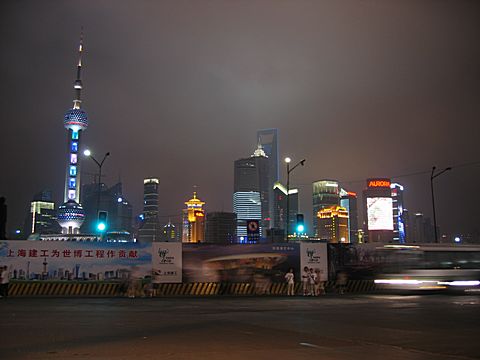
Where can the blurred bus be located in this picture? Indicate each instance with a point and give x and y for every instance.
(429, 267)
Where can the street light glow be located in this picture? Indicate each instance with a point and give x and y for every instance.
(287, 160)
(87, 152)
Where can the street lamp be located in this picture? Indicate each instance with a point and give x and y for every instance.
(433, 176)
(99, 164)
(289, 170)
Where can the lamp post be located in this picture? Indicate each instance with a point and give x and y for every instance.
(289, 170)
(99, 164)
(433, 176)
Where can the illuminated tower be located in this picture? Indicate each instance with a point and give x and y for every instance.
(71, 214)
(193, 221)
(150, 230)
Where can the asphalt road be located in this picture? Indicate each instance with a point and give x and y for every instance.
(341, 327)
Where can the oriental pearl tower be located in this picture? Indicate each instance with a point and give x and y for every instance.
(70, 214)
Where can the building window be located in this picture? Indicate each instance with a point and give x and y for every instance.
(72, 183)
(73, 170)
(74, 146)
(74, 135)
(73, 158)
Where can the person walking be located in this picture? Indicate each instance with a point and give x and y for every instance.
(290, 278)
(4, 282)
(305, 277)
(311, 282)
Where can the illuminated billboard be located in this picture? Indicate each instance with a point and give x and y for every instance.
(380, 213)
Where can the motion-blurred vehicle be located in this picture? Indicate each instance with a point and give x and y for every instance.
(429, 267)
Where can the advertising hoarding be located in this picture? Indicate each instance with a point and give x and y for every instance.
(380, 213)
(82, 260)
(314, 256)
(167, 262)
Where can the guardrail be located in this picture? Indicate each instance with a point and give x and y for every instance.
(116, 289)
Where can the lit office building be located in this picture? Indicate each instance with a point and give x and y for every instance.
(70, 214)
(280, 207)
(333, 224)
(399, 226)
(221, 228)
(326, 193)
(193, 221)
(252, 175)
(247, 206)
(348, 200)
(378, 205)
(150, 228)
(268, 139)
(42, 217)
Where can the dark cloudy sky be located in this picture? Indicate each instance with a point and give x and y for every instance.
(178, 89)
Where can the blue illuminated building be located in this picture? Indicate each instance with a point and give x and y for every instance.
(70, 214)
(399, 233)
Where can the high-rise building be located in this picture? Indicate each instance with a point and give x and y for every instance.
(399, 228)
(169, 233)
(280, 207)
(326, 193)
(348, 201)
(268, 139)
(252, 175)
(42, 217)
(378, 205)
(193, 221)
(111, 200)
(333, 224)
(247, 206)
(150, 229)
(221, 228)
(70, 214)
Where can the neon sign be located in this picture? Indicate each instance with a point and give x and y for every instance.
(379, 183)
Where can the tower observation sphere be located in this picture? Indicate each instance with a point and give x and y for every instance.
(75, 120)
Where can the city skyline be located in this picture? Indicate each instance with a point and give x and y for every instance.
(187, 105)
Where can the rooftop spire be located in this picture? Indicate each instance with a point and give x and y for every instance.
(78, 82)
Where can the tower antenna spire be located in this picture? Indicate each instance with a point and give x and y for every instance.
(78, 82)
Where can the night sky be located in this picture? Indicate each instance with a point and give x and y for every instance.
(178, 89)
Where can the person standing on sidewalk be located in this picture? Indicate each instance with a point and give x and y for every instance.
(290, 278)
(305, 277)
(4, 282)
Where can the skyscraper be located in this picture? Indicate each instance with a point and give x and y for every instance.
(326, 193)
(280, 207)
(70, 214)
(333, 224)
(251, 175)
(111, 200)
(247, 206)
(150, 230)
(267, 138)
(378, 205)
(193, 221)
(221, 228)
(399, 228)
(41, 218)
(348, 200)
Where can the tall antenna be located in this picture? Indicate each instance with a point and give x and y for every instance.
(78, 82)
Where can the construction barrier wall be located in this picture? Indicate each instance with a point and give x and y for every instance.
(115, 289)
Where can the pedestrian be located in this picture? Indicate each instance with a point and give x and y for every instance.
(319, 286)
(311, 282)
(341, 282)
(4, 282)
(305, 277)
(3, 218)
(290, 278)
